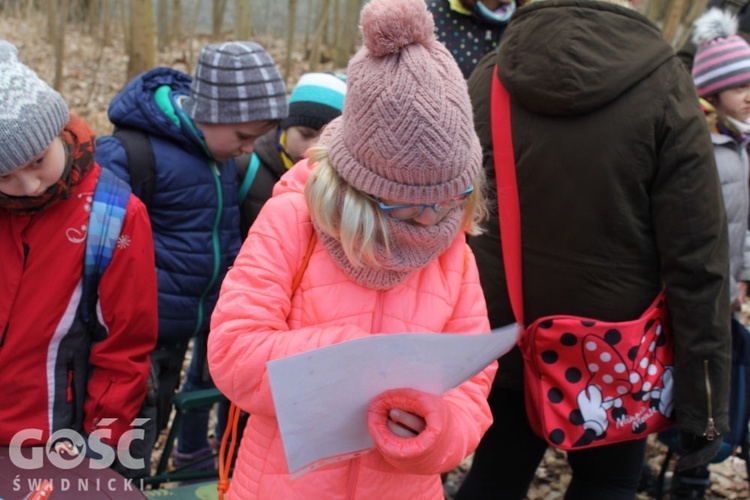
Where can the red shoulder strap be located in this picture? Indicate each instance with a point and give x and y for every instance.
(305, 261)
(507, 193)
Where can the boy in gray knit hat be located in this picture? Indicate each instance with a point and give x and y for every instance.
(195, 127)
(65, 370)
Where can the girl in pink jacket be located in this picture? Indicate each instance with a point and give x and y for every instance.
(392, 190)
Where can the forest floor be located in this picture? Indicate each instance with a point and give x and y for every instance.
(94, 73)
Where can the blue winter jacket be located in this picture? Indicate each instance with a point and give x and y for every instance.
(194, 210)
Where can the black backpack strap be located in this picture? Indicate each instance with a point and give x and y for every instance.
(141, 163)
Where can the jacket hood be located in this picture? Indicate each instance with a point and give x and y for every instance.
(569, 57)
(294, 180)
(136, 107)
(267, 149)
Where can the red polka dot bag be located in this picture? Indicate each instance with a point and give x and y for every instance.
(587, 382)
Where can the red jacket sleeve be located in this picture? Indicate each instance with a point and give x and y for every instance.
(127, 308)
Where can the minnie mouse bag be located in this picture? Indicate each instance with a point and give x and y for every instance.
(590, 383)
(587, 382)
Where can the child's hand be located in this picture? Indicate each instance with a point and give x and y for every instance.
(405, 424)
(408, 425)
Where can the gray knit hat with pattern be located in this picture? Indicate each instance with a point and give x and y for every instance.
(236, 82)
(32, 114)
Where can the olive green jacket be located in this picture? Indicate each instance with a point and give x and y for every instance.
(618, 189)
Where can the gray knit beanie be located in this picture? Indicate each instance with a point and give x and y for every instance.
(236, 82)
(32, 114)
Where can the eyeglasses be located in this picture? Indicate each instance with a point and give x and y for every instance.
(414, 210)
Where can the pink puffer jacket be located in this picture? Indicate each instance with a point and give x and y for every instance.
(256, 320)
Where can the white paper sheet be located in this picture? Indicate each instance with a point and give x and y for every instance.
(321, 396)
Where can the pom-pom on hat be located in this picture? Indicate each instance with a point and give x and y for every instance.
(236, 82)
(32, 114)
(406, 132)
(722, 59)
(317, 99)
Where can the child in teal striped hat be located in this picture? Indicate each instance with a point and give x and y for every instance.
(317, 99)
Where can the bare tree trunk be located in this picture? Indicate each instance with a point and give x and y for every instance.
(176, 29)
(697, 7)
(330, 31)
(94, 18)
(219, 6)
(674, 18)
(319, 35)
(290, 38)
(29, 9)
(53, 17)
(343, 44)
(98, 62)
(241, 19)
(162, 20)
(82, 10)
(266, 29)
(348, 38)
(657, 9)
(194, 19)
(125, 21)
(75, 9)
(106, 23)
(336, 21)
(60, 46)
(308, 24)
(191, 34)
(141, 55)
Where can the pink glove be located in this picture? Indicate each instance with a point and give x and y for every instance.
(425, 446)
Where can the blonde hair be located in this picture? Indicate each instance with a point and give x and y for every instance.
(360, 224)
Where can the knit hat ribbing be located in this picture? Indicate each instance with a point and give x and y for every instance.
(32, 114)
(236, 82)
(406, 132)
(317, 99)
(722, 59)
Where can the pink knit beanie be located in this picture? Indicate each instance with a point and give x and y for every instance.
(406, 132)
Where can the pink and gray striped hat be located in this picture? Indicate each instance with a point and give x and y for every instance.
(722, 59)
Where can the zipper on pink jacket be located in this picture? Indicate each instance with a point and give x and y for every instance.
(377, 313)
(354, 465)
(353, 477)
